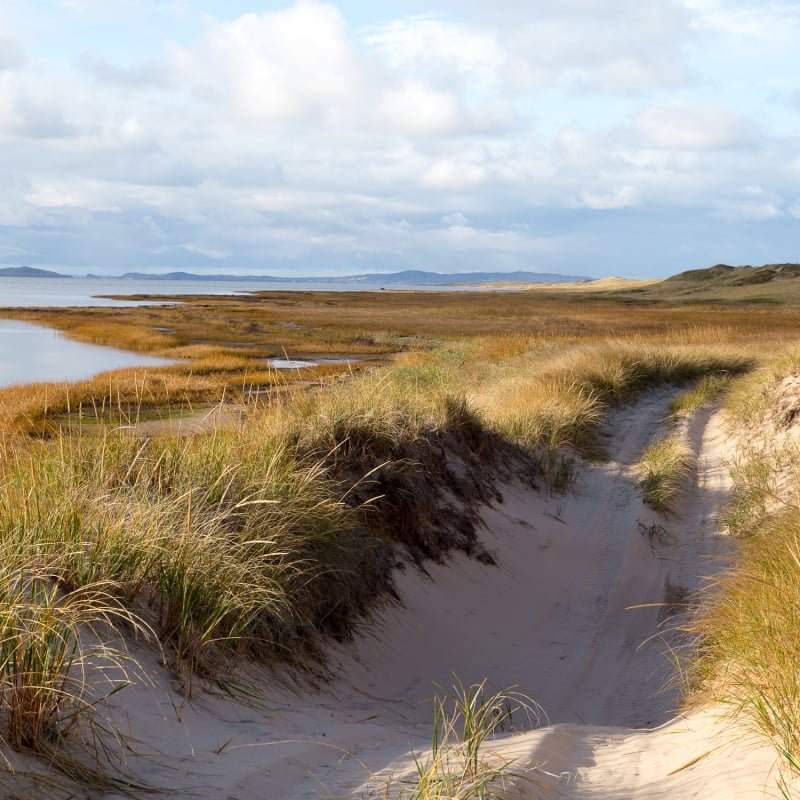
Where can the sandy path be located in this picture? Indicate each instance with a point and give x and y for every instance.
(553, 619)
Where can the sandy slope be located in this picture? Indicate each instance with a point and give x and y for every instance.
(554, 619)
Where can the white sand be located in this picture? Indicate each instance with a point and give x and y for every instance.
(554, 619)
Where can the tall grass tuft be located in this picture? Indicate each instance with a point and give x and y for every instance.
(57, 670)
(701, 394)
(461, 765)
(664, 467)
(559, 399)
(233, 542)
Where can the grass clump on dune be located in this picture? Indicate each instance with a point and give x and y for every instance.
(664, 467)
(757, 398)
(57, 669)
(560, 398)
(461, 764)
(707, 389)
(231, 541)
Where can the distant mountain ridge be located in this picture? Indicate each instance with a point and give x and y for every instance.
(409, 276)
(413, 277)
(29, 272)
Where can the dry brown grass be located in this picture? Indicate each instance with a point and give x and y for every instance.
(224, 341)
(369, 322)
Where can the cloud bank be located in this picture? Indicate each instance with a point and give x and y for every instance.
(609, 136)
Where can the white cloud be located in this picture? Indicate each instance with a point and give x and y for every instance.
(14, 215)
(605, 45)
(85, 195)
(578, 149)
(762, 21)
(750, 204)
(451, 174)
(612, 46)
(448, 50)
(277, 66)
(418, 109)
(496, 243)
(31, 112)
(456, 219)
(12, 56)
(207, 251)
(617, 197)
(692, 125)
(140, 77)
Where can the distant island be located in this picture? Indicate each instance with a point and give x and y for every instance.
(413, 277)
(29, 272)
(409, 276)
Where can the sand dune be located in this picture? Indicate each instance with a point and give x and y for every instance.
(557, 618)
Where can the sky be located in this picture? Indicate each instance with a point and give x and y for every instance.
(588, 137)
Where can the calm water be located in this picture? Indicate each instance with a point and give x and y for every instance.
(62, 292)
(30, 353)
(300, 363)
(58, 292)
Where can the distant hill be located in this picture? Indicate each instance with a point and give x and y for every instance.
(406, 277)
(29, 272)
(726, 275)
(722, 284)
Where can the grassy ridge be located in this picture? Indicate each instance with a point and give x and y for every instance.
(746, 635)
(228, 538)
(747, 654)
(666, 464)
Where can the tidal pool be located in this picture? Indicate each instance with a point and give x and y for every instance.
(298, 363)
(32, 354)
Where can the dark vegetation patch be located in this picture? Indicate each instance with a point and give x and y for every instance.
(423, 493)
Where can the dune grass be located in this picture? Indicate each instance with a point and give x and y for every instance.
(745, 636)
(664, 466)
(61, 658)
(746, 646)
(229, 538)
(461, 764)
(706, 390)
